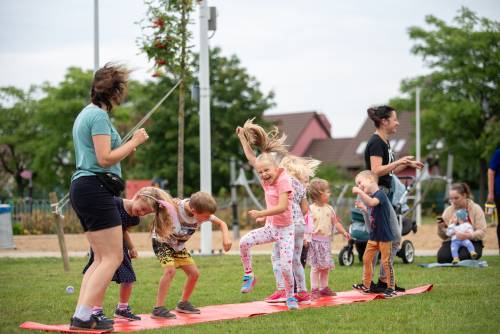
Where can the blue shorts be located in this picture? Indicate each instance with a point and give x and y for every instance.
(93, 204)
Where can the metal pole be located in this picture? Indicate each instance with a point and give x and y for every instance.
(234, 199)
(96, 35)
(417, 143)
(205, 149)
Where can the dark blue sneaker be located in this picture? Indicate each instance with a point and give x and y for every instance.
(126, 314)
(92, 324)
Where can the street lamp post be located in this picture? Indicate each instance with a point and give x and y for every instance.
(418, 196)
(205, 146)
(96, 35)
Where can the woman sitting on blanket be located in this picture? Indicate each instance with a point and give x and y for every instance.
(461, 198)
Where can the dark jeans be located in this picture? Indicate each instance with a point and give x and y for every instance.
(444, 253)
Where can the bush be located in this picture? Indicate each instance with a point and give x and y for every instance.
(17, 229)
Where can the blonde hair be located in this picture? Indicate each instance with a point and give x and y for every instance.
(367, 174)
(268, 157)
(318, 186)
(202, 202)
(299, 167)
(162, 222)
(266, 142)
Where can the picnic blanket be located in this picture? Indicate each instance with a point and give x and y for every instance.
(463, 263)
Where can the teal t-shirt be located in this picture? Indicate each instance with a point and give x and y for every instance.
(92, 121)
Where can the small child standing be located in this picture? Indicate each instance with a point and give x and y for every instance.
(130, 211)
(325, 221)
(381, 235)
(462, 225)
(172, 253)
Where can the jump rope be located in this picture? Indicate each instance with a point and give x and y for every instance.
(59, 206)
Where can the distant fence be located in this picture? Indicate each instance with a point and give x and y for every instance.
(35, 216)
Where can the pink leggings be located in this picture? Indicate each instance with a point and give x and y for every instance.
(284, 236)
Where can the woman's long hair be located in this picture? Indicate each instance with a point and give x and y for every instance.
(110, 85)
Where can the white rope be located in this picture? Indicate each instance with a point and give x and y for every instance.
(59, 206)
(148, 115)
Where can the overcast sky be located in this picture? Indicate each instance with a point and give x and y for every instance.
(336, 57)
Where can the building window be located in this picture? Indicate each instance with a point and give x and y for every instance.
(399, 145)
(361, 147)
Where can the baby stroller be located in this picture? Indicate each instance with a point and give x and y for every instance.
(360, 235)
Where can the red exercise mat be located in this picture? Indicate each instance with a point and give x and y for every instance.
(224, 312)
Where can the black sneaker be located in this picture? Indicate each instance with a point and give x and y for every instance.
(389, 293)
(91, 324)
(102, 317)
(161, 312)
(399, 289)
(126, 314)
(186, 307)
(380, 287)
(360, 287)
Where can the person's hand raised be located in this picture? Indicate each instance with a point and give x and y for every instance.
(140, 136)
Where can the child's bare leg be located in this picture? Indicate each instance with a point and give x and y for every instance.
(125, 292)
(192, 274)
(164, 285)
(323, 278)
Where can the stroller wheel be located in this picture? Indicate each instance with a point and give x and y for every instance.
(407, 251)
(346, 256)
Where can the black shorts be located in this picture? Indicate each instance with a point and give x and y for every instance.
(93, 204)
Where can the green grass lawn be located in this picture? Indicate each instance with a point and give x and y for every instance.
(463, 300)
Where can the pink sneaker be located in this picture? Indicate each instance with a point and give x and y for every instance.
(327, 292)
(315, 294)
(303, 297)
(278, 296)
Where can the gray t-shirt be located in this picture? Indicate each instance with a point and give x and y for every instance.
(92, 121)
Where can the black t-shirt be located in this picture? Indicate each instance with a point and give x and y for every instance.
(379, 148)
(380, 218)
(127, 220)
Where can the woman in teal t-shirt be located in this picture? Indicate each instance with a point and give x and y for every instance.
(98, 149)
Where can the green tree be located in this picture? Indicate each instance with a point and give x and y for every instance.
(166, 43)
(460, 98)
(17, 129)
(36, 134)
(52, 145)
(236, 96)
